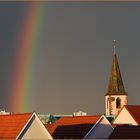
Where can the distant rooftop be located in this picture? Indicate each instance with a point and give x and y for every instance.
(74, 120)
(52, 118)
(3, 112)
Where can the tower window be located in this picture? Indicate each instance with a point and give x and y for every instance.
(107, 103)
(118, 103)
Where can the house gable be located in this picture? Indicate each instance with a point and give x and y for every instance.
(102, 129)
(34, 129)
(124, 117)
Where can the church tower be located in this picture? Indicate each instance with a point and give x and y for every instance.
(116, 96)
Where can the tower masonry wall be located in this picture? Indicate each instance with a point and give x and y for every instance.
(111, 105)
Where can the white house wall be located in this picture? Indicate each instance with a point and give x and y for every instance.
(36, 131)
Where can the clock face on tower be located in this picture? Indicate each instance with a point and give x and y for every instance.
(112, 99)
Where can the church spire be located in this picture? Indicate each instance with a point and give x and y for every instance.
(116, 97)
(115, 86)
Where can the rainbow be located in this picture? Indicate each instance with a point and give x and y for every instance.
(27, 49)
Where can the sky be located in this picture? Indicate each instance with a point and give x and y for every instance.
(73, 54)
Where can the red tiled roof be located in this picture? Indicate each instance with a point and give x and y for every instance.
(51, 127)
(12, 124)
(75, 120)
(134, 110)
(126, 132)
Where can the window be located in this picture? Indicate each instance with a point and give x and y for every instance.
(118, 103)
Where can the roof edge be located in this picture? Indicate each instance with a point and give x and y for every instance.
(103, 116)
(126, 106)
(33, 114)
(117, 114)
(49, 135)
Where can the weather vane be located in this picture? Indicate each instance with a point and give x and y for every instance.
(114, 45)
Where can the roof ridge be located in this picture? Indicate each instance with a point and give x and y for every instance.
(132, 105)
(128, 109)
(81, 116)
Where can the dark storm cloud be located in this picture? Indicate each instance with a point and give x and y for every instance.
(78, 39)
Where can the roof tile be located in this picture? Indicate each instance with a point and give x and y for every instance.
(12, 124)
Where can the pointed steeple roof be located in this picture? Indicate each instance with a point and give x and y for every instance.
(115, 86)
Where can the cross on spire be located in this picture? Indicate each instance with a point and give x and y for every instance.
(114, 45)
